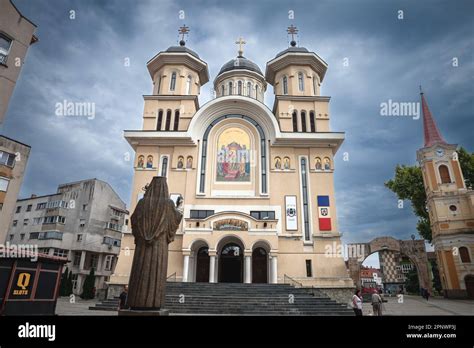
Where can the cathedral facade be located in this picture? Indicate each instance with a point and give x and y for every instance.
(257, 183)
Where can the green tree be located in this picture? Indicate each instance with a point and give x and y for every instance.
(408, 185)
(69, 284)
(88, 288)
(436, 278)
(411, 283)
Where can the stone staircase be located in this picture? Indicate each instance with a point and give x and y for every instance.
(242, 299)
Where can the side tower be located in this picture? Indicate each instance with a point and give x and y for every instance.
(451, 209)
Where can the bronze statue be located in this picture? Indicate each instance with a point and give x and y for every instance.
(154, 224)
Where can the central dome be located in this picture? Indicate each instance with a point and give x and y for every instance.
(240, 63)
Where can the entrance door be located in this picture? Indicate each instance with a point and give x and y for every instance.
(202, 265)
(230, 264)
(469, 279)
(259, 266)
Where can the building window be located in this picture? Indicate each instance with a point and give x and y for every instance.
(464, 253)
(222, 90)
(164, 166)
(79, 237)
(15, 222)
(444, 174)
(41, 206)
(28, 208)
(84, 207)
(188, 85)
(11, 236)
(18, 210)
(304, 189)
(77, 258)
(5, 44)
(200, 214)
(25, 222)
(168, 120)
(22, 236)
(54, 219)
(231, 87)
(108, 263)
(300, 82)
(295, 121)
(7, 159)
(263, 215)
(239, 88)
(173, 82)
(74, 280)
(312, 122)
(34, 235)
(249, 89)
(315, 85)
(176, 120)
(60, 252)
(160, 120)
(257, 91)
(50, 235)
(303, 121)
(285, 85)
(309, 270)
(4, 184)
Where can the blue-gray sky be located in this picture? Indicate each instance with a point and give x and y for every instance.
(82, 59)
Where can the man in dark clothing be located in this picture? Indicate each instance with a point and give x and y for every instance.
(123, 298)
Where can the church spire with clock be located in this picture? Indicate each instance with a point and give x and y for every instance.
(450, 207)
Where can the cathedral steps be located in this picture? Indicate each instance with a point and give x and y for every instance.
(241, 299)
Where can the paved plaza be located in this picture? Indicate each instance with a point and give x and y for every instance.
(411, 305)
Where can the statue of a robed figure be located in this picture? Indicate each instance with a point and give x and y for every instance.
(154, 223)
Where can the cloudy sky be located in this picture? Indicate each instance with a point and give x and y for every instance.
(82, 60)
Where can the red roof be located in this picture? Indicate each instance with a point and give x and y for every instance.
(432, 134)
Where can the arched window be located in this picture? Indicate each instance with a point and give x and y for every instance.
(295, 121)
(464, 253)
(312, 122)
(249, 89)
(300, 82)
(160, 120)
(222, 90)
(315, 85)
(164, 166)
(168, 120)
(285, 85)
(303, 121)
(256, 91)
(239, 88)
(444, 174)
(327, 163)
(231, 87)
(173, 82)
(188, 85)
(159, 86)
(176, 120)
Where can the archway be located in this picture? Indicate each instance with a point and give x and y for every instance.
(202, 265)
(259, 265)
(469, 280)
(231, 263)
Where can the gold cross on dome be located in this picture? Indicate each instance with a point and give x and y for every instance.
(184, 30)
(292, 30)
(240, 42)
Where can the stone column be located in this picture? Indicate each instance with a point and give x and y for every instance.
(83, 260)
(274, 263)
(212, 266)
(248, 268)
(185, 268)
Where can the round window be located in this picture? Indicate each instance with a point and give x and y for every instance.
(453, 208)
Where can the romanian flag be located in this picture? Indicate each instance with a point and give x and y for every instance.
(324, 213)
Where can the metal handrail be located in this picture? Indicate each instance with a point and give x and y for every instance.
(173, 277)
(291, 281)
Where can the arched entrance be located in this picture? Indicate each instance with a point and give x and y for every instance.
(231, 263)
(202, 265)
(259, 265)
(469, 280)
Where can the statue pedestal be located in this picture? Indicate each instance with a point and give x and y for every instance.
(143, 313)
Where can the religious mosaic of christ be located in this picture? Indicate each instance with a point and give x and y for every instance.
(233, 156)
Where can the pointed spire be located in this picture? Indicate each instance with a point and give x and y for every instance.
(432, 134)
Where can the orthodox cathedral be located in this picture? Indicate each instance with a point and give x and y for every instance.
(257, 182)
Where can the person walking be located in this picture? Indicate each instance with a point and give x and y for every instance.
(377, 304)
(123, 298)
(357, 303)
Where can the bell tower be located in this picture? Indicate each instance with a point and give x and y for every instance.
(451, 208)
